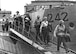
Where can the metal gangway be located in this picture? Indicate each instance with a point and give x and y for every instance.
(18, 28)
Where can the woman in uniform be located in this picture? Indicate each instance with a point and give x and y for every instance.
(44, 30)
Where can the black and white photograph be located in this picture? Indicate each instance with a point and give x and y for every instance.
(37, 26)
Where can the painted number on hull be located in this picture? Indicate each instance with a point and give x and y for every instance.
(57, 17)
(65, 16)
(50, 16)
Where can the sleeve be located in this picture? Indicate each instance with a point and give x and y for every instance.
(41, 26)
(55, 31)
(47, 23)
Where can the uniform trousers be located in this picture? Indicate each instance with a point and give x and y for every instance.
(3, 27)
(61, 40)
(37, 32)
(6, 27)
(45, 35)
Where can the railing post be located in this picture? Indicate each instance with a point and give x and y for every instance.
(23, 25)
(14, 24)
(18, 26)
(29, 31)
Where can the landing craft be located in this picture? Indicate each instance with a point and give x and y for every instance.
(65, 10)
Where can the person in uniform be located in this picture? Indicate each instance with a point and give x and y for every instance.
(37, 26)
(44, 30)
(6, 25)
(17, 14)
(27, 23)
(3, 25)
(60, 32)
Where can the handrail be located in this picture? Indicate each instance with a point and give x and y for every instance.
(28, 33)
(24, 42)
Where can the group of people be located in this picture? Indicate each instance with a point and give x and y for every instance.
(60, 32)
(18, 20)
(43, 27)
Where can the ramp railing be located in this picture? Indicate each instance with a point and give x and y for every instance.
(18, 26)
(22, 29)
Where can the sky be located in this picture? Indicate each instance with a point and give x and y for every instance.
(14, 5)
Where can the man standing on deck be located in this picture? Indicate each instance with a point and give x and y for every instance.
(37, 26)
(17, 14)
(7, 25)
(3, 25)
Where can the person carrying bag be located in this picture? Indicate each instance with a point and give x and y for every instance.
(63, 35)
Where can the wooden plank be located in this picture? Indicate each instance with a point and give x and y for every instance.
(2, 47)
(0, 44)
(21, 47)
(13, 48)
(17, 48)
(10, 47)
(5, 45)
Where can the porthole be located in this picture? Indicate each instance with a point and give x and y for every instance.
(71, 25)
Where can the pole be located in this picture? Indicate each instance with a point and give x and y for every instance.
(23, 26)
